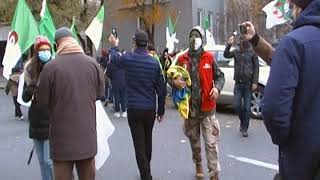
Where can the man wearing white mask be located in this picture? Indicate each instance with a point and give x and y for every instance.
(207, 82)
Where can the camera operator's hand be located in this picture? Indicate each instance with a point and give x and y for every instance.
(250, 31)
(231, 40)
(113, 41)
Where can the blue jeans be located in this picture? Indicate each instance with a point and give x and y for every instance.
(242, 103)
(106, 92)
(120, 98)
(43, 153)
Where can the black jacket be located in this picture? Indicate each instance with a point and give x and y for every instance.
(38, 115)
(246, 65)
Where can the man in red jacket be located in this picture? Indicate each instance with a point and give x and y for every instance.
(207, 82)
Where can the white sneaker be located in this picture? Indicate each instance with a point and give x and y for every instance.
(124, 114)
(21, 118)
(117, 114)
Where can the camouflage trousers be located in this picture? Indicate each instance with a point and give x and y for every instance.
(209, 126)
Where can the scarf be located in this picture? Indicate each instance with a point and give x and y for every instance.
(196, 53)
(68, 46)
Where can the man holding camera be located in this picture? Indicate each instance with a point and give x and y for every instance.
(246, 75)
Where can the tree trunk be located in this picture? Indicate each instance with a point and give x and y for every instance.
(150, 35)
(152, 31)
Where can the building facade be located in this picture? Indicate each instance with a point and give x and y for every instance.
(189, 13)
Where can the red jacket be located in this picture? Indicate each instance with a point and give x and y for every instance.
(206, 75)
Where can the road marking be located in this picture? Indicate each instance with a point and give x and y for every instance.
(255, 162)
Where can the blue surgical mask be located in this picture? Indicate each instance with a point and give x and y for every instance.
(44, 56)
(289, 13)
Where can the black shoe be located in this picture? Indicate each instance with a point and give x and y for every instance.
(277, 177)
(244, 133)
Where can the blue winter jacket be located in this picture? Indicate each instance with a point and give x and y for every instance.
(115, 73)
(291, 104)
(143, 78)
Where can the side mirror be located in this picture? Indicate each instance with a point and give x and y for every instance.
(231, 63)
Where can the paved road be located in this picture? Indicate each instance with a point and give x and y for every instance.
(249, 158)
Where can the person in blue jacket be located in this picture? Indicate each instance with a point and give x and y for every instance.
(144, 84)
(291, 104)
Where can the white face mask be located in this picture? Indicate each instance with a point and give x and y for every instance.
(197, 43)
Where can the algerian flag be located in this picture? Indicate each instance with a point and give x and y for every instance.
(23, 34)
(94, 31)
(46, 26)
(276, 12)
(171, 36)
(209, 37)
(105, 129)
(74, 30)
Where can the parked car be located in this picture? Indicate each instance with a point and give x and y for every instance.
(227, 67)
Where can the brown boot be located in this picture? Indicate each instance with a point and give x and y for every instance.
(199, 171)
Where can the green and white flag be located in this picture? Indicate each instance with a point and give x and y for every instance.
(74, 30)
(171, 35)
(94, 31)
(276, 12)
(209, 37)
(24, 30)
(46, 26)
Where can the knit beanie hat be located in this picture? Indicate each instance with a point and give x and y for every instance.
(141, 38)
(62, 33)
(41, 40)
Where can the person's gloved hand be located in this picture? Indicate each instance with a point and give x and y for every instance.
(231, 40)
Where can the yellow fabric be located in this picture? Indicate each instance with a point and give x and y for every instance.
(175, 72)
(183, 107)
(178, 71)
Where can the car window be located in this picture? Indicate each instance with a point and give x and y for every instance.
(222, 61)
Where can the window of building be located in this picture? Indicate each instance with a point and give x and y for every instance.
(200, 17)
(210, 19)
(140, 23)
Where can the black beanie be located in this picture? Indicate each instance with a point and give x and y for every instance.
(302, 3)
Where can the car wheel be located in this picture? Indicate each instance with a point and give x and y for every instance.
(257, 95)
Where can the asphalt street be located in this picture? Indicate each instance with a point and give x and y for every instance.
(241, 158)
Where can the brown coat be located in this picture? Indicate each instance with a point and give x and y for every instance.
(264, 50)
(12, 84)
(70, 86)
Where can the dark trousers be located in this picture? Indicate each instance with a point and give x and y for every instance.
(110, 93)
(242, 102)
(18, 112)
(120, 98)
(63, 170)
(141, 125)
